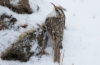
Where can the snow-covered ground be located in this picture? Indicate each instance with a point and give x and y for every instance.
(81, 36)
(7, 37)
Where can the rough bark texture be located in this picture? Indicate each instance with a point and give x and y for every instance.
(42, 41)
(20, 50)
(2, 25)
(22, 8)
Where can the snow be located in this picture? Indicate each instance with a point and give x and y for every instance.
(81, 36)
(14, 2)
(7, 37)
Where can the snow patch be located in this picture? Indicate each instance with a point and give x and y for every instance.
(14, 2)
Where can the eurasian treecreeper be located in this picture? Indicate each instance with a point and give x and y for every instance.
(55, 27)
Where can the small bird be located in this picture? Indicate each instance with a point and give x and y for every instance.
(55, 27)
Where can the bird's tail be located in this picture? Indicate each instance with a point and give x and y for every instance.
(56, 53)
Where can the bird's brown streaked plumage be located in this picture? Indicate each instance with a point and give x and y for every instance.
(55, 27)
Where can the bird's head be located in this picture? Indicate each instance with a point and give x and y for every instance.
(58, 7)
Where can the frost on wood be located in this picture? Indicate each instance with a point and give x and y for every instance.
(20, 49)
(2, 25)
(14, 2)
(21, 6)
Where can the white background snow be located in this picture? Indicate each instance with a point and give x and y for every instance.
(81, 37)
